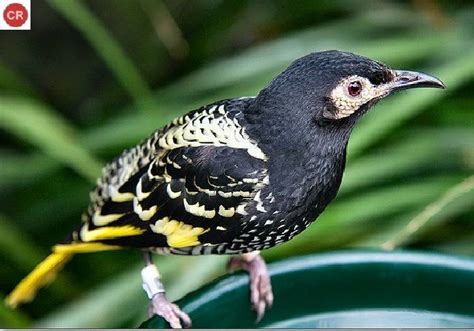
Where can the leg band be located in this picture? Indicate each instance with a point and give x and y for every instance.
(151, 281)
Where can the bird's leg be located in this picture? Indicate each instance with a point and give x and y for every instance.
(261, 295)
(156, 293)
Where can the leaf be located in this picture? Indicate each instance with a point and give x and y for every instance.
(17, 247)
(121, 297)
(17, 169)
(40, 126)
(389, 163)
(117, 300)
(349, 34)
(24, 254)
(106, 47)
(462, 192)
(11, 318)
(12, 81)
(412, 151)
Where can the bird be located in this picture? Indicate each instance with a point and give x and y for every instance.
(234, 177)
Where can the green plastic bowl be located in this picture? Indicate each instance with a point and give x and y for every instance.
(344, 289)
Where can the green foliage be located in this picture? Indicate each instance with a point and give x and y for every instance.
(105, 45)
(48, 131)
(408, 181)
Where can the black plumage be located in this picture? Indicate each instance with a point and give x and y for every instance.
(304, 160)
(240, 175)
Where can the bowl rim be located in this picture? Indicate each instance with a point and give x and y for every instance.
(227, 283)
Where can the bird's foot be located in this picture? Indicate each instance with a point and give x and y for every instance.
(169, 311)
(159, 303)
(261, 295)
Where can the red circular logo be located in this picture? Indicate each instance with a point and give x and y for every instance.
(15, 15)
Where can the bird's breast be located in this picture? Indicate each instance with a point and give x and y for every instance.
(291, 201)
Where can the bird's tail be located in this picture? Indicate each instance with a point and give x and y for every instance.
(46, 271)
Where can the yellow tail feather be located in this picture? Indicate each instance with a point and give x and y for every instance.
(46, 271)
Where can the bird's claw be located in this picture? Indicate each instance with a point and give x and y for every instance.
(169, 311)
(261, 294)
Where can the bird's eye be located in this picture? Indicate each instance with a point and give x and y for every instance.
(354, 88)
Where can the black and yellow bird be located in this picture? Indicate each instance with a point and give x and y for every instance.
(234, 177)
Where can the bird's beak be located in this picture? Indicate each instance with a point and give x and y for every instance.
(412, 79)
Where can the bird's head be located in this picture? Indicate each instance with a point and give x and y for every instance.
(333, 88)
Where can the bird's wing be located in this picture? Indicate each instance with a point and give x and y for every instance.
(187, 185)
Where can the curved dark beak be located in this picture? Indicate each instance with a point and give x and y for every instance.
(412, 79)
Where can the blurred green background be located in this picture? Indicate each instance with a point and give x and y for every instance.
(94, 77)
